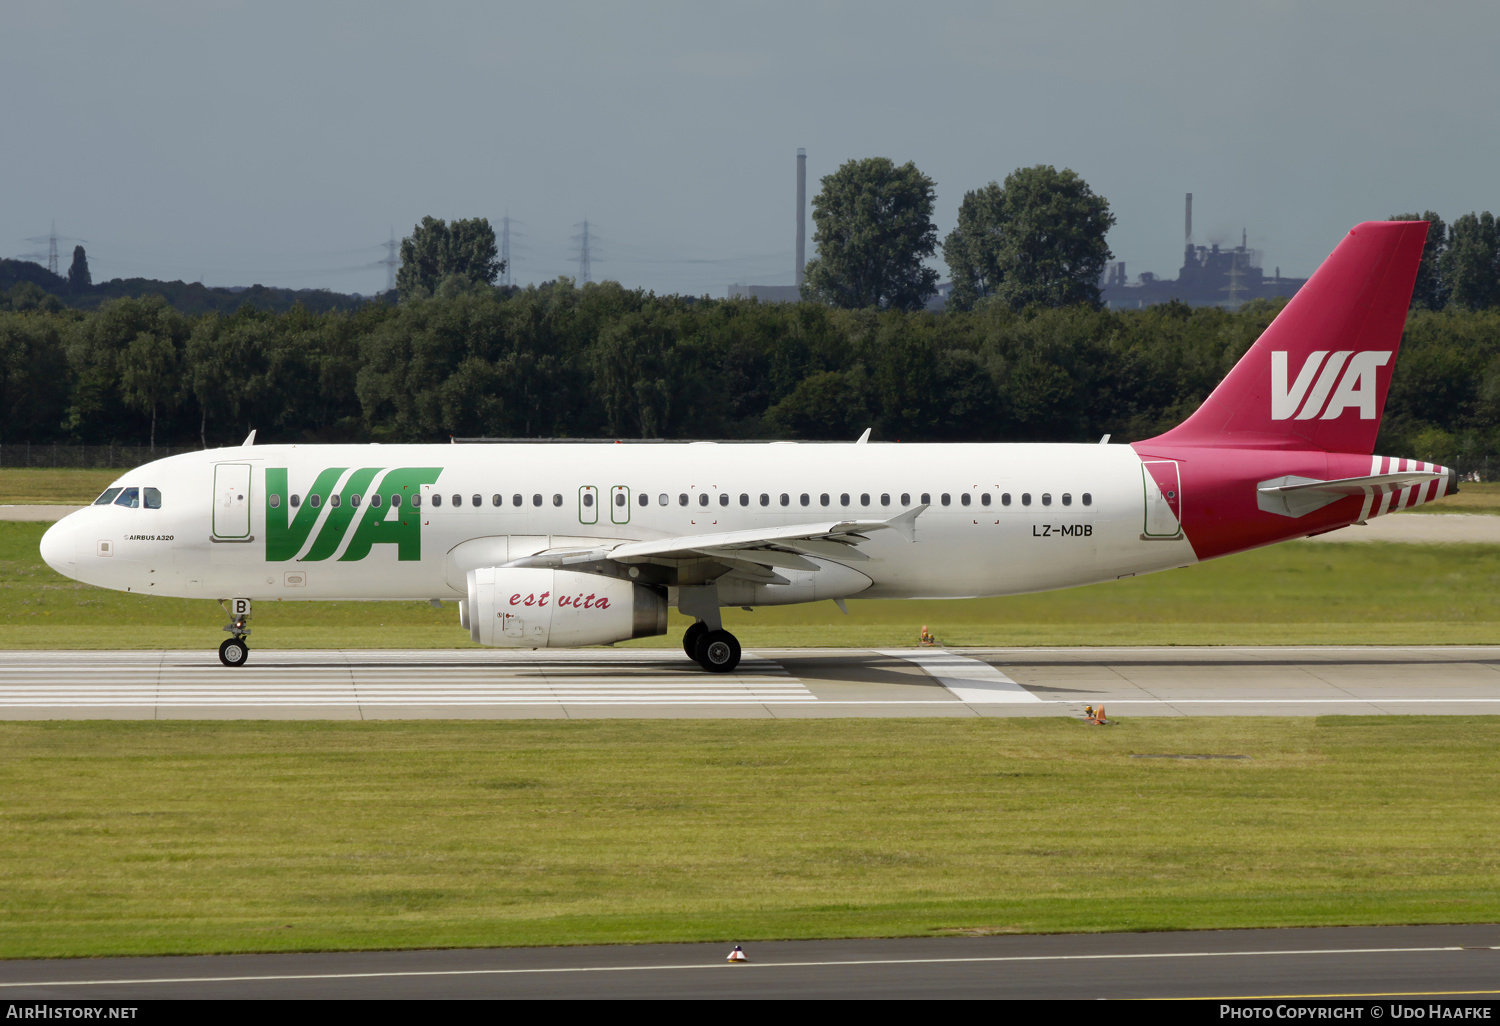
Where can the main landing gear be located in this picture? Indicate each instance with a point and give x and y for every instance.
(234, 651)
(715, 651)
(707, 642)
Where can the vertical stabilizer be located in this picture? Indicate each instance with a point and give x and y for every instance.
(1317, 378)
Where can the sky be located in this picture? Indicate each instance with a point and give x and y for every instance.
(281, 143)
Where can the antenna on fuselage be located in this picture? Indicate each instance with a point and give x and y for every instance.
(250, 438)
(863, 438)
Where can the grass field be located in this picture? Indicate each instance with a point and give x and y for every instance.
(133, 837)
(76, 487)
(1288, 594)
(1473, 497)
(31, 486)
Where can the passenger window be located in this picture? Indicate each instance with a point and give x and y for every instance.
(152, 497)
(906, 498)
(1088, 500)
(984, 500)
(1026, 498)
(437, 500)
(498, 500)
(1005, 498)
(947, 499)
(588, 500)
(1046, 498)
(619, 498)
(316, 500)
(662, 500)
(458, 500)
(556, 499)
(1067, 499)
(765, 500)
(723, 498)
(644, 500)
(786, 500)
(703, 498)
(416, 500)
(296, 500)
(396, 499)
(843, 498)
(926, 499)
(682, 498)
(336, 500)
(536, 499)
(517, 500)
(108, 496)
(129, 498)
(885, 499)
(744, 499)
(964, 498)
(805, 498)
(354, 500)
(375, 500)
(864, 498)
(823, 499)
(477, 500)
(275, 501)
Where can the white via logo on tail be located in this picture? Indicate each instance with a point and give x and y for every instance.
(1356, 388)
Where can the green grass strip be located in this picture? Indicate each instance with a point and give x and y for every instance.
(154, 837)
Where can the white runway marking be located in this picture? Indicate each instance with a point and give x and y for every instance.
(970, 680)
(727, 965)
(323, 679)
(394, 684)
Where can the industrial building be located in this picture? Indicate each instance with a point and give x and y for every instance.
(1209, 276)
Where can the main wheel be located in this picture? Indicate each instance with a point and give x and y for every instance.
(718, 651)
(234, 652)
(690, 639)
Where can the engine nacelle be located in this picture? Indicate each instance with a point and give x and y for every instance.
(530, 607)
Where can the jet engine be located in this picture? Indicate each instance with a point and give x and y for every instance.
(530, 607)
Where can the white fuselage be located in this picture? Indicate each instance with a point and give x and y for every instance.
(1075, 514)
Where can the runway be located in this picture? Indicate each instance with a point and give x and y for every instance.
(591, 683)
(1355, 962)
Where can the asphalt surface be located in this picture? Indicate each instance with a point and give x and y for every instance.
(593, 683)
(1347, 961)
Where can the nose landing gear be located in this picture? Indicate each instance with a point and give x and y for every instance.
(234, 651)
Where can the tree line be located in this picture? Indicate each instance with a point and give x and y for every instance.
(1460, 262)
(1022, 353)
(603, 361)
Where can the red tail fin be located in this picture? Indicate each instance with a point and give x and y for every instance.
(1317, 378)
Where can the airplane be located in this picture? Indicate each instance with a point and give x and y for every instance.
(571, 544)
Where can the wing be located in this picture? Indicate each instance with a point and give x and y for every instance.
(755, 554)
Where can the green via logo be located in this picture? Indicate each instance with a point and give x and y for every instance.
(386, 514)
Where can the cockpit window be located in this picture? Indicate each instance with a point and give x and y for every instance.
(153, 498)
(108, 496)
(130, 497)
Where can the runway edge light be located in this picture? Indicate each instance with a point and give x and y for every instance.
(737, 955)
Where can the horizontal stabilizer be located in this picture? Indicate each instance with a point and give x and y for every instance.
(1298, 496)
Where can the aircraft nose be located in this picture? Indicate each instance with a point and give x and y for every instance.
(59, 548)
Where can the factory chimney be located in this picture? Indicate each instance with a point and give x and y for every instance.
(801, 213)
(1188, 227)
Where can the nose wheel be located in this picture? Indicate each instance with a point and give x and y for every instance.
(234, 652)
